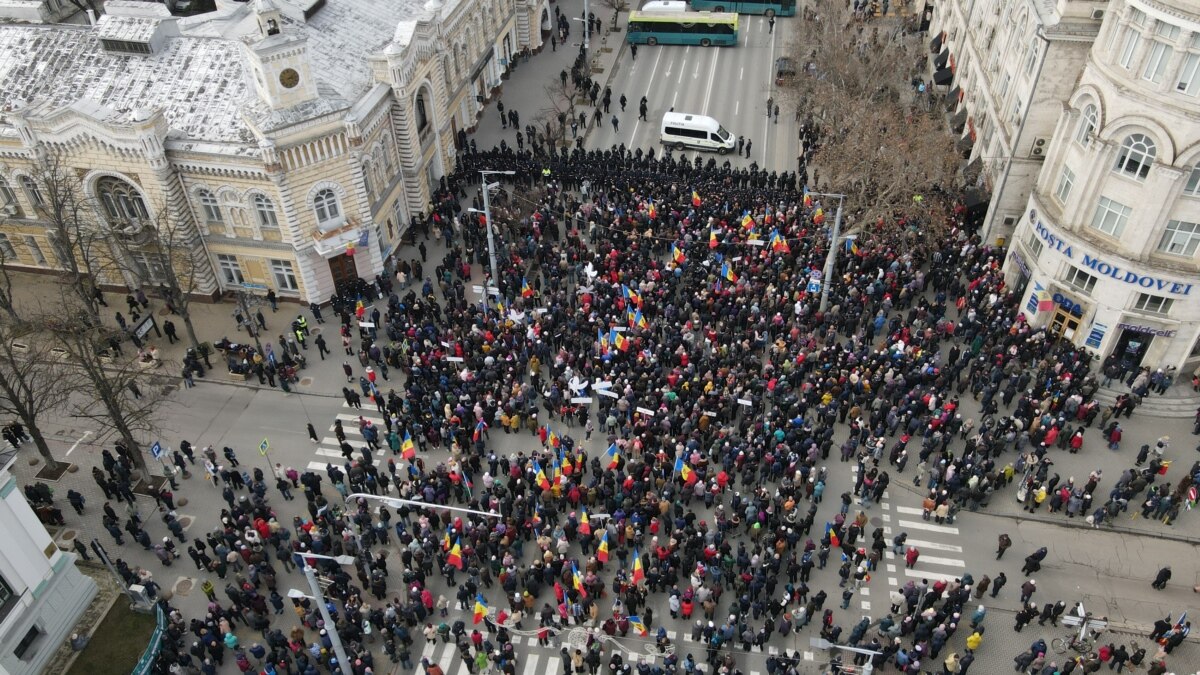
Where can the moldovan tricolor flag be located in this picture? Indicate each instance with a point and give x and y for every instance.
(479, 429)
(712, 239)
(778, 243)
(585, 526)
(454, 557)
(635, 622)
(613, 456)
(638, 573)
(602, 549)
(540, 477)
(526, 291)
(577, 580)
(695, 198)
(677, 255)
(407, 451)
(480, 608)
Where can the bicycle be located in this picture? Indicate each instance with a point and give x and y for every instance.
(1073, 642)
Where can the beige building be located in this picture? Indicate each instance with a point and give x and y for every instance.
(285, 132)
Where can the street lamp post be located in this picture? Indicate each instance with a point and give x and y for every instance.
(246, 301)
(831, 257)
(315, 587)
(487, 219)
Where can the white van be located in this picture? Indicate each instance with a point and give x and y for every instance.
(681, 130)
(665, 6)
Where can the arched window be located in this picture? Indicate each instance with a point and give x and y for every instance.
(1137, 154)
(422, 114)
(266, 213)
(369, 179)
(122, 203)
(32, 191)
(8, 199)
(210, 207)
(1087, 125)
(329, 212)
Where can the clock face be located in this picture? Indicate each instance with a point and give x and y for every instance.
(289, 78)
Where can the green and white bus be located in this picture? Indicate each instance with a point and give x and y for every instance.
(768, 7)
(682, 28)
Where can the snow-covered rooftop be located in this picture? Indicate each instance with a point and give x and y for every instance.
(198, 82)
(198, 78)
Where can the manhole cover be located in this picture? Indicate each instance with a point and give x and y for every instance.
(315, 331)
(68, 535)
(184, 586)
(306, 382)
(877, 521)
(185, 521)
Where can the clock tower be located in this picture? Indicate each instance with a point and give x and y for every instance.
(278, 59)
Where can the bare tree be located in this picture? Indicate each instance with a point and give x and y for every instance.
(562, 93)
(879, 142)
(120, 397)
(7, 303)
(34, 382)
(616, 6)
(79, 244)
(167, 254)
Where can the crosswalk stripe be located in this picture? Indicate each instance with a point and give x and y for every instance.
(446, 657)
(316, 467)
(932, 576)
(937, 546)
(934, 560)
(324, 452)
(909, 510)
(531, 662)
(922, 525)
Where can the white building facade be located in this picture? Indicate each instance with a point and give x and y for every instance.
(42, 594)
(1107, 250)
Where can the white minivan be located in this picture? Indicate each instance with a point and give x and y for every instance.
(680, 130)
(665, 6)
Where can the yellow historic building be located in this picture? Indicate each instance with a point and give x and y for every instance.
(285, 132)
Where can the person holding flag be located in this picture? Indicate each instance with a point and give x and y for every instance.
(602, 549)
(613, 455)
(639, 573)
(778, 243)
(481, 608)
(677, 255)
(635, 622)
(526, 291)
(407, 451)
(695, 199)
(585, 525)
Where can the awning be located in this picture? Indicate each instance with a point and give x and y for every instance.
(943, 76)
(952, 96)
(965, 145)
(940, 60)
(936, 44)
(959, 120)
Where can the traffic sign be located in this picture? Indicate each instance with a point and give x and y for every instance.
(814, 286)
(263, 447)
(156, 450)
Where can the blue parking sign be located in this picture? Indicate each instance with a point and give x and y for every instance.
(156, 450)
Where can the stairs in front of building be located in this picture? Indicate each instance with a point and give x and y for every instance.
(1179, 401)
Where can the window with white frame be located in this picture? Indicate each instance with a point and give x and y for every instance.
(328, 210)
(1192, 188)
(1156, 62)
(1111, 217)
(1004, 82)
(1066, 181)
(35, 250)
(1188, 81)
(1034, 244)
(121, 202)
(1154, 304)
(1077, 278)
(231, 271)
(6, 248)
(9, 199)
(1137, 17)
(1180, 238)
(1136, 156)
(1087, 125)
(1129, 48)
(285, 275)
(1031, 56)
(264, 209)
(150, 267)
(210, 207)
(33, 192)
(1166, 31)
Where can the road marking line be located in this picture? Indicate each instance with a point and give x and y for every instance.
(932, 576)
(937, 546)
(922, 525)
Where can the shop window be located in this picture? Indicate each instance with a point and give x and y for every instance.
(1180, 238)
(1154, 304)
(1111, 217)
(1077, 278)
(1137, 154)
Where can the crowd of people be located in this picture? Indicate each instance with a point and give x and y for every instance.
(684, 300)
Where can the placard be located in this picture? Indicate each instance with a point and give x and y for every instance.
(454, 359)
(709, 413)
(745, 401)
(366, 324)
(755, 242)
(607, 392)
(581, 399)
(644, 411)
(602, 385)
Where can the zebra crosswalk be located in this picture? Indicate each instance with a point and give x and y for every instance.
(329, 451)
(534, 659)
